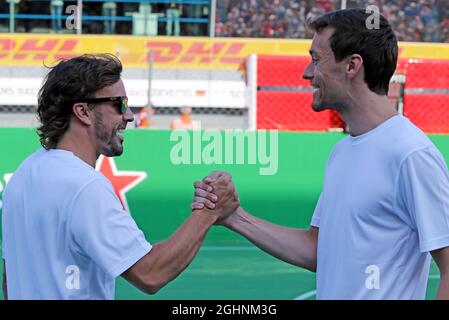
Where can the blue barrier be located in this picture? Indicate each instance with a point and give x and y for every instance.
(99, 18)
(205, 2)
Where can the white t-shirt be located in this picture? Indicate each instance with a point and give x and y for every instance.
(65, 233)
(384, 206)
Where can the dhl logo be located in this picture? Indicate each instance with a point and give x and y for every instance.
(174, 53)
(201, 52)
(171, 54)
(37, 49)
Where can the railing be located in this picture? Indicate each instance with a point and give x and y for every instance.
(148, 17)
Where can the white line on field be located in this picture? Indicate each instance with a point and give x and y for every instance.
(306, 295)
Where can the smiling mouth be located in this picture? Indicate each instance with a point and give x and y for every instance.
(119, 132)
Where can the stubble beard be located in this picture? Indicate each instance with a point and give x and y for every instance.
(110, 144)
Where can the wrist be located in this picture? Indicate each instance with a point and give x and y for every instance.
(207, 214)
(232, 220)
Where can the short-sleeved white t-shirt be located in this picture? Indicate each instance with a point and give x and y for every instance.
(383, 208)
(65, 233)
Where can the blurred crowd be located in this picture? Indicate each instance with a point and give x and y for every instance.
(412, 20)
(417, 20)
(115, 10)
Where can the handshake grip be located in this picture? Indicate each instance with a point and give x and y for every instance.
(216, 194)
(227, 199)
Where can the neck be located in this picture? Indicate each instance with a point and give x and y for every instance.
(80, 145)
(365, 111)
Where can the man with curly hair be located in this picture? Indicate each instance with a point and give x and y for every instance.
(65, 233)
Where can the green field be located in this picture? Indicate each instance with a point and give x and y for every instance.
(227, 267)
(239, 272)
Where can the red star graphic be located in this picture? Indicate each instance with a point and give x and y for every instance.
(122, 181)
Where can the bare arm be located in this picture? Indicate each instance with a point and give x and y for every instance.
(168, 259)
(441, 257)
(5, 291)
(295, 246)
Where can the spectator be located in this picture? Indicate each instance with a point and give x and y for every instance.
(184, 122)
(109, 12)
(143, 117)
(444, 28)
(195, 11)
(174, 12)
(417, 20)
(412, 20)
(56, 14)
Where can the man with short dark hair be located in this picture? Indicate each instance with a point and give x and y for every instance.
(65, 232)
(385, 201)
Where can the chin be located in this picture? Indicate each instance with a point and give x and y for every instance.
(113, 151)
(118, 151)
(326, 105)
(317, 107)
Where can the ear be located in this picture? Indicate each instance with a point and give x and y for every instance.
(354, 65)
(82, 112)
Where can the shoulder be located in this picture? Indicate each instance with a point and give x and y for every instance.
(32, 158)
(406, 136)
(22, 171)
(401, 140)
(57, 169)
(338, 147)
(96, 195)
(425, 158)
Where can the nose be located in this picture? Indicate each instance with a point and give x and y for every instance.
(128, 116)
(308, 72)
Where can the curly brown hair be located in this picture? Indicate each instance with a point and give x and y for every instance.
(67, 82)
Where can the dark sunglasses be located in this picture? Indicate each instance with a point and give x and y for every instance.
(122, 99)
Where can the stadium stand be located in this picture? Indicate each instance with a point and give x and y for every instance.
(216, 89)
(127, 16)
(422, 20)
(419, 20)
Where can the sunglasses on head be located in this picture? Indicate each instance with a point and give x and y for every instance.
(122, 99)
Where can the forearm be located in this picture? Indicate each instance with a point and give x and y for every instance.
(295, 246)
(441, 257)
(169, 258)
(443, 289)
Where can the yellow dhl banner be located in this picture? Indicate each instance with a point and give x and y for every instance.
(169, 52)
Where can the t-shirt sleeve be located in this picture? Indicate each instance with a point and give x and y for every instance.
(317, 214)
(105, 232)
(423, 189)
